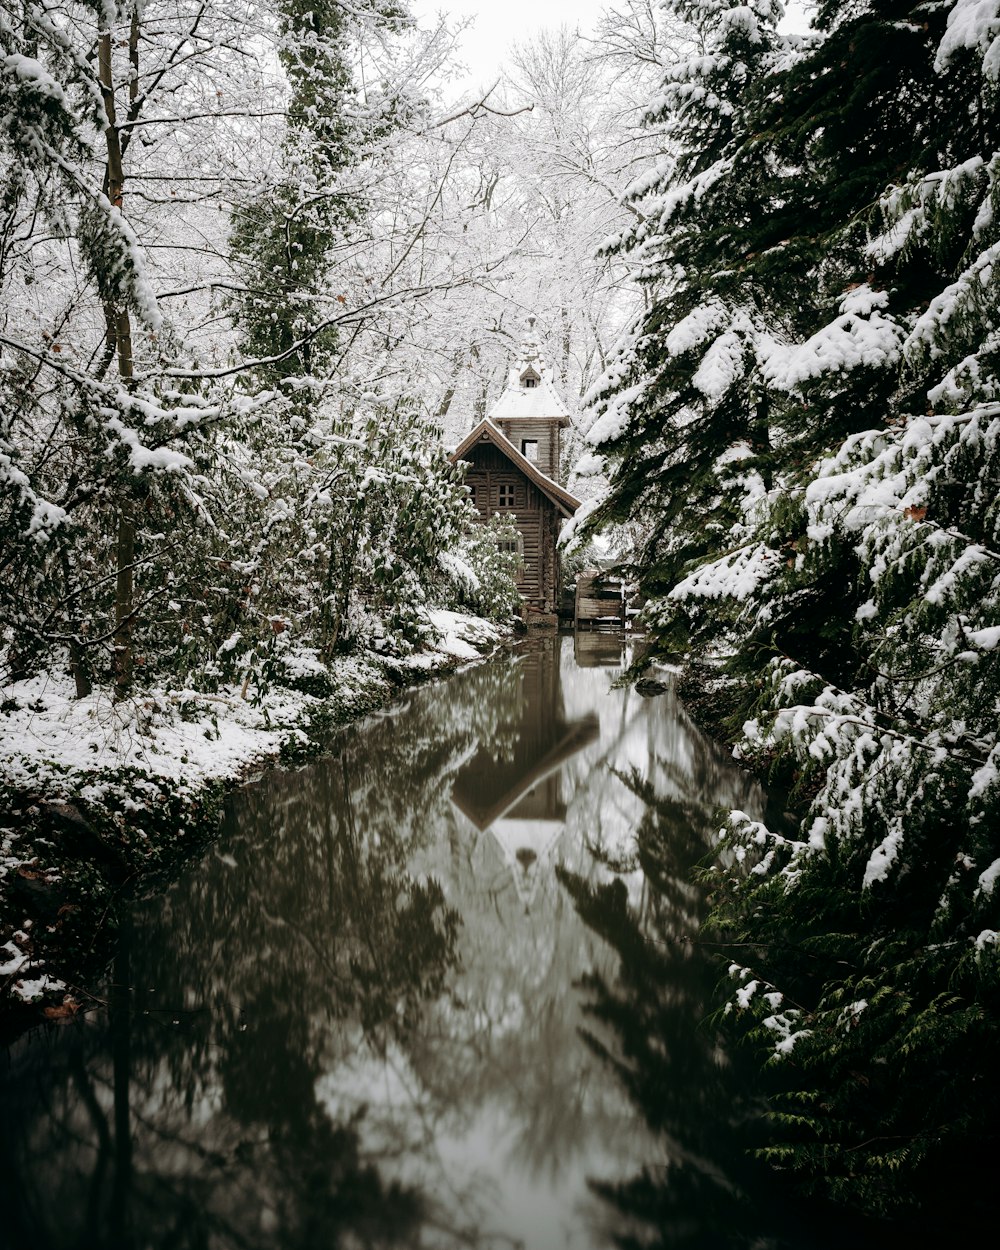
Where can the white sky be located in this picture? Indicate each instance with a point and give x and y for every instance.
(500, 23)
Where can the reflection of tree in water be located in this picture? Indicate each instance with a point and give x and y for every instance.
(293, 943)
(512, 1040)
(302, 940)
(506, 1038)
(304, 1063)
(101, 1153)
(650, 1022)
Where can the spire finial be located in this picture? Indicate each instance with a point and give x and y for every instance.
(530, 347)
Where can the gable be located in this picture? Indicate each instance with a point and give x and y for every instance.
(486, 433)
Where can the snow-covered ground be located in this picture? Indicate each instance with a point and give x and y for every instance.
(50, 739)
(54, 746)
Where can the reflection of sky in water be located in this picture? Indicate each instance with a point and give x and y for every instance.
(530, 1106)
(473, 1170)
(482, 1097)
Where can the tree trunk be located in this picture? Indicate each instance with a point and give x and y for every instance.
(119, 329)
(760, 436)
(77, 650)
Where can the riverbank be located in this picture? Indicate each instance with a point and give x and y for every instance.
(717, 704)
(100, 798)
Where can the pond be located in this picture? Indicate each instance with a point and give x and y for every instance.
(442, 988)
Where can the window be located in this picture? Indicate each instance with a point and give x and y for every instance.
(529, 383)
(529, 449)
(474, 494)
(512, 546)
(506, 496)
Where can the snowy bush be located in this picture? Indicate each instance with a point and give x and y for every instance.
(480, 572)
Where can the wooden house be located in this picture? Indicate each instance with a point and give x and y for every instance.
(513, 469)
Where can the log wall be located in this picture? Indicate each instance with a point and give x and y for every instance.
(535, 516)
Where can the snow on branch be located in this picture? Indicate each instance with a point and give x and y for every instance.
(973, 25)
(860, 337)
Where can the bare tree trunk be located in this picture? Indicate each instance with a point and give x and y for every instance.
(77, 651)
(119, 329)
(445, 404)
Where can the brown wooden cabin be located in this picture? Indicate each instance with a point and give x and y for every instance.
(600, 602)
(513, 466)
(604, 601)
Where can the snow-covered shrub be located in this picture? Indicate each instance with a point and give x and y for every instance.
(480, 571)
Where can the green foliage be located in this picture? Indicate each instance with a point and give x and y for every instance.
(879, 1040)
(284, 242)
(804, 432)
(482, 569)
(331, 542)
(86, 856)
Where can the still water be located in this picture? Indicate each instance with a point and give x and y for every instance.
(442, 988)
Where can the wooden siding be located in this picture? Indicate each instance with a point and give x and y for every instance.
(545, 432)
(535, 516)
(598, 602)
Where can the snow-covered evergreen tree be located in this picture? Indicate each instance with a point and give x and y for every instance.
(683, 414)
(836, 534)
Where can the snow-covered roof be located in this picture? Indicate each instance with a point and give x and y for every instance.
(487, 432)
(529, 402)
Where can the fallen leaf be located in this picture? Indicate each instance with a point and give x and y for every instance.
(65, 1011)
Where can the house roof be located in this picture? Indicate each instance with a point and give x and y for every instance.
(487, 432)
(529, 402)
(486, 791)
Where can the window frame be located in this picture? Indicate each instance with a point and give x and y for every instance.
(514, 547)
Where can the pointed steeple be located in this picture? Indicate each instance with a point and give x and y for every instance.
(531, 349)
(530, 393)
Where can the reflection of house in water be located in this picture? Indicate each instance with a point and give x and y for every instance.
(593, 649)
(516, 795)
